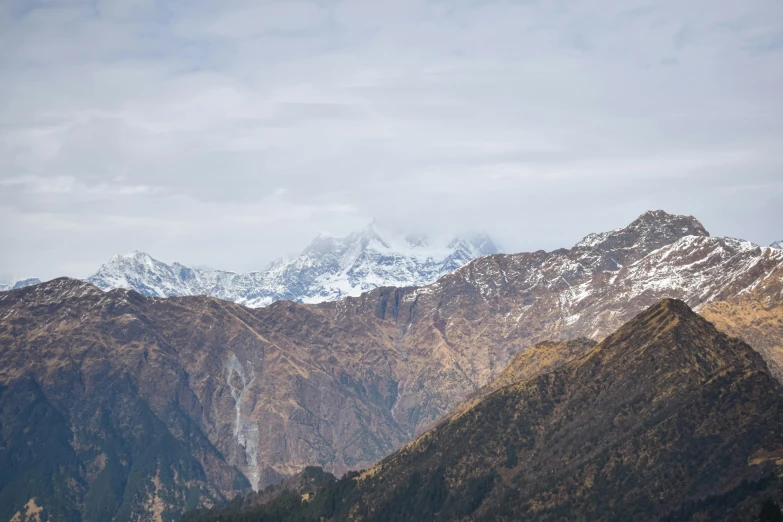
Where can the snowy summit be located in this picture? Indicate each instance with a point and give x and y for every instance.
(20, 284)
(328, 269)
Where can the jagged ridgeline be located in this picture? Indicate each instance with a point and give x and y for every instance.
(666, 419)
(169, 404)
(329, 268)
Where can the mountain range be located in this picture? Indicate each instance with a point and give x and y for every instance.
(665, 419)
(329, 268)
(20, 284)
(162, 405)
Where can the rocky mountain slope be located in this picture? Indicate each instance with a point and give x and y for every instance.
(304, 485)
(541, 358)
(97, 421)
(666, 419)
(777, 244)
(250, 396)
(328, 269)
(462, 330)
(757, 317)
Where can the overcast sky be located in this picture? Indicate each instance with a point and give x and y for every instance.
(230, 133)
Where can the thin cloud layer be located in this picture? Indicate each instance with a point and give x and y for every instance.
(228, 134)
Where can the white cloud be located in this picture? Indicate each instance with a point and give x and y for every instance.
(179, 127)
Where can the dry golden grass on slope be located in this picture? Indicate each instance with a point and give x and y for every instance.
(757, 318)
(759, 326)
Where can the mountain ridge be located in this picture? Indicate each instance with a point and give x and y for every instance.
(665, 419)
(21, 283)
(756, 316)
(341, 384)
(327, 269)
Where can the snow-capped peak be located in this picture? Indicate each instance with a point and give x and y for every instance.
(648, 232)
(777, 244)
(653, 227)
(21, 283)
(328, 268)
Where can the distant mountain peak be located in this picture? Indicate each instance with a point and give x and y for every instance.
(654, 227)
(650, 231)
(21, 283)
(417, 240)
(777, 244)
(329, 268)
(674, 224)
(483, 244)
(55, 290)
(137, 256)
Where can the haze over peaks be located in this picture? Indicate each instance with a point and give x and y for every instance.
(137, 123)
(327, 269)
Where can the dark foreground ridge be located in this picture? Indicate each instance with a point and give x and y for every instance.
(666, 419)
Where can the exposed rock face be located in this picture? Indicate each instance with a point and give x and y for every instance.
(328, 269)
(268, 391)
(666, 419)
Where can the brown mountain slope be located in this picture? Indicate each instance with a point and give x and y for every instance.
(339, 385)
(666, 419)
(105, 396)
(442, 342)
(475, 319)
(756, 317)
(660, 416)
(135, 383)
(542, 358)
